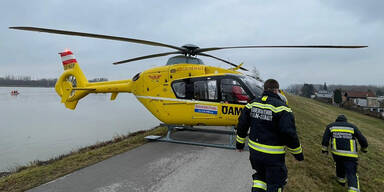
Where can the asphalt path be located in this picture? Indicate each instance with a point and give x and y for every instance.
(164, 167)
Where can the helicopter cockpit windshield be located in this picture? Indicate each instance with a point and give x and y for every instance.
(184, 59)
(253, 85)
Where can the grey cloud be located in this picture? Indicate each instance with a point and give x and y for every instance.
(367, 11)
(205, 23)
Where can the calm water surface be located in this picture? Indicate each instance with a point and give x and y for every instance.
(36, 126)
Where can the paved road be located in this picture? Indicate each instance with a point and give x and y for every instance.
(163, 167)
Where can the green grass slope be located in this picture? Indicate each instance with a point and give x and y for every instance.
(317, 171)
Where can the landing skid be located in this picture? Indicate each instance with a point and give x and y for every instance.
(172, 128)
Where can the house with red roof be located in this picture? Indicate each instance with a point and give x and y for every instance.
(359, 98)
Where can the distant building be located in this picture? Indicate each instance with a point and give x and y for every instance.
(373, 102)
(374, 105)
(380, 99)
(325, 96)
(358, 97)
(364, 102)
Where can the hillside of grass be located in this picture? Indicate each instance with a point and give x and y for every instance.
(317, 172)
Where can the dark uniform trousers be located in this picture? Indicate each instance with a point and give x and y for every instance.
(346, 170)
(272, 172)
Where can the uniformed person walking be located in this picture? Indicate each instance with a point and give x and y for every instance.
(343, 137)
(272, 129)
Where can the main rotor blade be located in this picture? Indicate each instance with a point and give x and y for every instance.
(116, 38)
(225, 61)
(282, 46)
(147, 57)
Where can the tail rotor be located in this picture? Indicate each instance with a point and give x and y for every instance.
(69, 82)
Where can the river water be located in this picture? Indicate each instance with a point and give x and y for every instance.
(35, 126)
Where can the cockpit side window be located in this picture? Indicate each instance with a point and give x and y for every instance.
(233, 92)
(179, 89)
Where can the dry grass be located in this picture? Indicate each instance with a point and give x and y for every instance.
(317, 172)
(40, 172)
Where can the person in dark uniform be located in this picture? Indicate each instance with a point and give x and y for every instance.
(343, 135)
(272, 130)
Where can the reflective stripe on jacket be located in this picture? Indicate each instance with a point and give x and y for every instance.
(272, 126)
(342, 136)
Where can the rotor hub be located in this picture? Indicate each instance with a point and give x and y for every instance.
(190, 49)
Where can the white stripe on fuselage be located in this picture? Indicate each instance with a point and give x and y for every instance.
(175, 99)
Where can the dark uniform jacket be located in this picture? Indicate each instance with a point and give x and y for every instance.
(272, 127)
(343, 138)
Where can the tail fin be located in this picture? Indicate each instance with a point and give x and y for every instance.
(72, 85)
(72, 79)
(68, 59)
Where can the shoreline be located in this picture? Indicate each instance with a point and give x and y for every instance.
(27, 86)
(38, 172)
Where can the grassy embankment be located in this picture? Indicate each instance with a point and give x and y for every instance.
(40, 172)
(317, 172)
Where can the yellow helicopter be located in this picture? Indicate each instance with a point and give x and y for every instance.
(183, 93)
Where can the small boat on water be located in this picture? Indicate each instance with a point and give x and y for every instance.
(15, 92)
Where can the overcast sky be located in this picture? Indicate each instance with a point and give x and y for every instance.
(206, 24)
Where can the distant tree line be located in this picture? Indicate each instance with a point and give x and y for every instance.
(309, 89)
(26, 81)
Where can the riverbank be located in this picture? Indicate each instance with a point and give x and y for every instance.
(40, 172)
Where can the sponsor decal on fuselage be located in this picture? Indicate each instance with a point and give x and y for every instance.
(231, 110)
(209, 109)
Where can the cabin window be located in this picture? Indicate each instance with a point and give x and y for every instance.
(205, 90)
(179, 89)
(232, 92)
